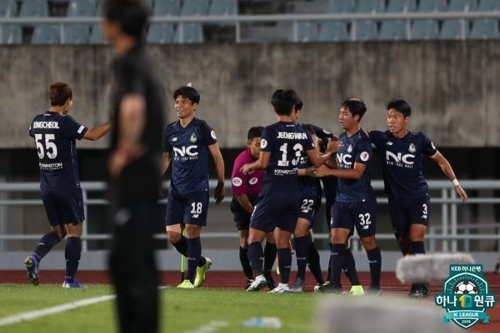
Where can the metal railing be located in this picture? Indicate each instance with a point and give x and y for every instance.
(447, 231)
(239, 19)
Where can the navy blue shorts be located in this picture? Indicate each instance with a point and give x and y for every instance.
(309, 205)
(276, 209)
(405, 212)
(63, 207)
(361, 214)
(190, 208)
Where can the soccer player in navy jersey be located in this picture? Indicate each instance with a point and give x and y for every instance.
(282, 145)
(355, 204)
(401, 152)
(246, 188)
(187, 146)
(55, 132)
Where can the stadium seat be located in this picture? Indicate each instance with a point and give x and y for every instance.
(393, 30)
(340, 6)
(167, 8)
(484, 29)
(306, 32)
(488, 5)
(161, 33)
(369, 6)
(365, 30)
(424, 30)
(82, 8)
(96, 35)
(462, 5)
(426, 6)
(7, 8)
(454, 29)
(333, 31)
(45, 34)
(399, 6)
(194, 7)
(223, 7)
(11, 34)
(191, 33)
(75, 34)
(34, 8)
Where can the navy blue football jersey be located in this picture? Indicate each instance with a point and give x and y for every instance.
(311, 184)
(55, 136)
(402, 162)
(286, 142)
(188, 148)
(354, 149)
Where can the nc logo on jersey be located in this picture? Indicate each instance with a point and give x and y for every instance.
(185, 151)
(399, 158)
(466, 296)
(344, 159)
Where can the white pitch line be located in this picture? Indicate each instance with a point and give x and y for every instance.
(53, 310)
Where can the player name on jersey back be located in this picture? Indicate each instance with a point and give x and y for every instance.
(46, 124)
(292, 135)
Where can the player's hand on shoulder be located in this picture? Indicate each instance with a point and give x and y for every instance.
(461, 193)
(219, 193)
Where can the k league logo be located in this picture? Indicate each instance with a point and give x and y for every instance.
(466, 296)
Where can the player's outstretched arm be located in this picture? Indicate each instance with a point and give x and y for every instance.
(219, 192)
(448, 172)
(318, 159)
(261, 163)
(355, 173)
(98, 132)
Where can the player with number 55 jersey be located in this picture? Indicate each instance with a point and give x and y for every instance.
(54, 133)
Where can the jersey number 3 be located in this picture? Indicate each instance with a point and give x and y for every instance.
(46, 146)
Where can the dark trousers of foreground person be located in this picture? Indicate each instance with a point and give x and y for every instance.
(132, 263)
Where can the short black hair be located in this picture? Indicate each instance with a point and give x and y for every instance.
(299, 105)
(401, 106)
(59, 93)
(254, 132)
(355, 106)
(188, 92)
(131, 15)
(284, 101)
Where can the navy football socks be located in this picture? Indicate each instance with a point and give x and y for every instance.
(418, 247)
(270, 252)
(47, 242)
(285, 264)
(193, 257)
(314, 263)
(182, 247)
(337, 258)
(256, 257)
(302, 253)
(72, 254)
(245, 263)
(350, 268)
(375, 261)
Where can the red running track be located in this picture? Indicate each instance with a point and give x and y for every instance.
(235, 279)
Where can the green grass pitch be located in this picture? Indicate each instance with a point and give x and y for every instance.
(181, 310)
